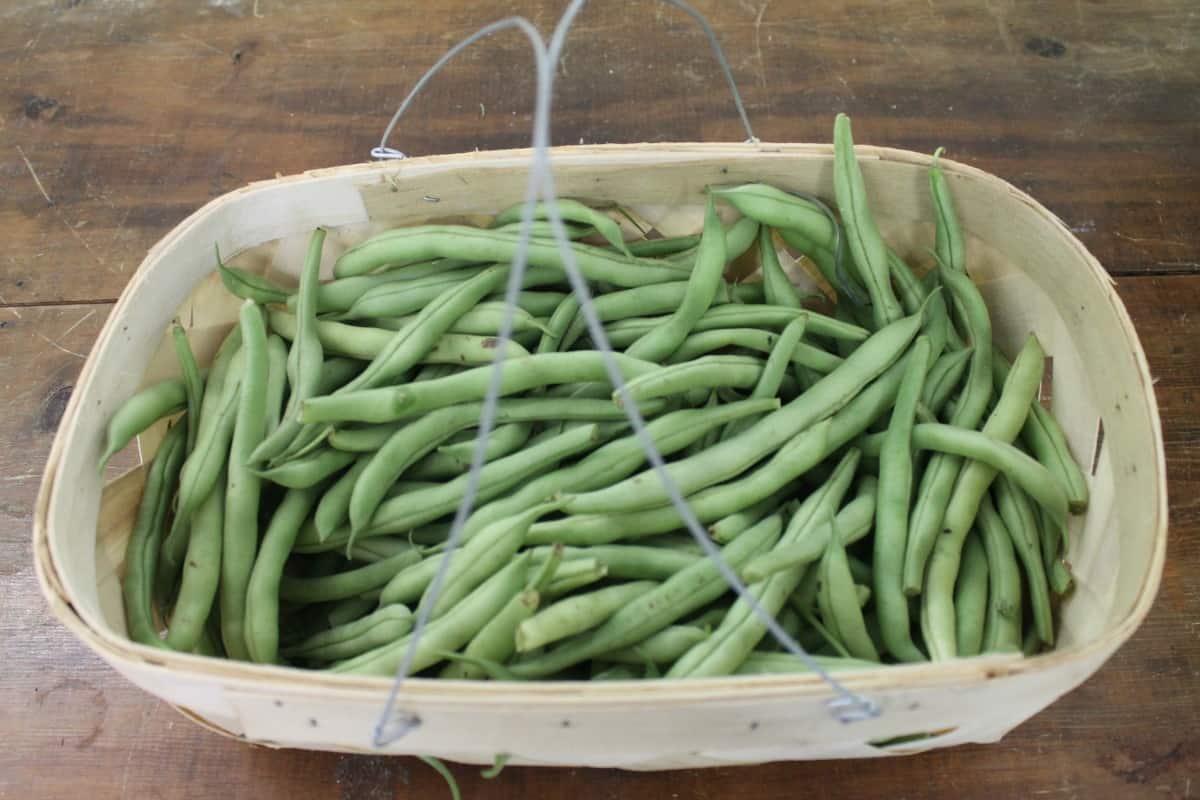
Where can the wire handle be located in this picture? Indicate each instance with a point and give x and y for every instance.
(394, 722)
(383, 152)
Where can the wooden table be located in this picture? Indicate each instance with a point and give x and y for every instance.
(120, 118)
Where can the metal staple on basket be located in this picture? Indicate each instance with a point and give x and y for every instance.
(847, 706)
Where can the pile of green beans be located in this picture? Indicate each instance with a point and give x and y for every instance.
(875, 469)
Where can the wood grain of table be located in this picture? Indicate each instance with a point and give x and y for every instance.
(120, 117)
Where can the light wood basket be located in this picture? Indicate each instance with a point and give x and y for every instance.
(1035, 275)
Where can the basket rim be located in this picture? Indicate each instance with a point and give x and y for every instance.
(118, 650)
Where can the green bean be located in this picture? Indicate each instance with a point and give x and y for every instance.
(971, 596)
(675, 598)
(670, 433)
(365, 343)
(408, 346)
(663, 647)
(734, 455)
(258, 596)
(201, 574)
(350, 639)
(202, 467)
(1033, 478)
(407, 585)
(787, 664)
(571, 210)
(141, 552)
(773, 373)
(305, 357)
(574, 575)
(706, 372)
(378, 548)
(658, 298)
(730, 527)
(740, 237)
(948, 242)
(481, 556)
(548, 559)
(538, 304)
(308, 470)
(702, 287)
(351, 583)
(944, 377)
(698, 344)
(496, 641)
(448, 632)
(277, 353)
(413, 509)
(1022, 525)
(742, 628)
(862, 235)
(484, 319)
(401, 299)
(248, 286)
(577, 614)
(452, 460)
(937, 481)
(192, 382)
(839, 603)
(660, 248)
(339, 296)
(451, 241)
(556, 328)
(413, 441)
(1004, 423)
(140, 412)
(518, 375)
(1002, 624)
(243, 487)
(333, 510)
(892, 510)
(1045, 439)
(627, 562)
(777, 286)
(914, 295)
(778, 209)
(854, 521)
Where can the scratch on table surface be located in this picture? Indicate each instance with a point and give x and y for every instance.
(34, 174)
(1149, 240)
(56, 345)
(758, 52)
(1001, 25)
(202, 43)
(79, 322)
(136, 739)
(5, 304)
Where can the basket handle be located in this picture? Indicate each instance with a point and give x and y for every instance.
(383, 152)
(847, 705)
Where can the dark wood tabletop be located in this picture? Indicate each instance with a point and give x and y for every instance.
(120, 117)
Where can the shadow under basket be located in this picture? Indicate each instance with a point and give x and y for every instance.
(1034, 274)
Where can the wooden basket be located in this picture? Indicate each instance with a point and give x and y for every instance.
(1035, 275)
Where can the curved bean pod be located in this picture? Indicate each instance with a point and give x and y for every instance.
(937, 482)
(1004, 423)
(141, 552)
(258, 598)
(518, 375)
(702, 287)
(423, 242)
(892, 510)
(732, 456)
(577, 614)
